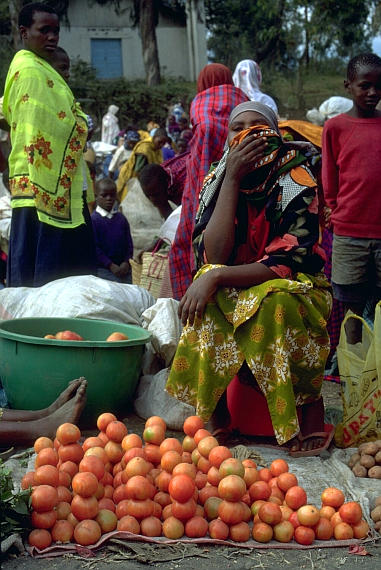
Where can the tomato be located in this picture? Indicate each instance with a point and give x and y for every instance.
(232, 488)
(72, 452)
(343, 531)
(173, 528)
(308, 515)
(62, 531)
(262, 532)
(69, 467)
(137, 466)
(323, 529)
(140, 509)
(206, 492)
(64, 494)
(44, 498)
(106, 503)
(283, 531)
(286, 480)
(40, 538)
(295, 497)
(171, 444)
(155, 420)
(218, 529)
(114, 451)
(152, 453)
(214, 476)
(116, 431)
(251, 476)
(181, 488)
(107, 520)
(304, 535)
(240, 532)
(28, 480)
(47, 456)
(232, 466)
(46, 475)
(138, 487)
(92, 442)
(270, 513)
(41, 443)
(201, 480)
(87, 532)
(278, 466)
(63, 510)
(196, 527)
(264, 474)
(189, 444)
(162, 481)
(206, 445)
(85, 484)
(185, 469)
(43, 520)
(129, 524)
(259, 490)
(230, 513)
(192, 424)
(68, 433)
(154, 434)
(131, 440)
(211, 507)
(151, 526)
(351, 512)
(170, 459)
(327, 512)
(286, 512)
(360, 529)
(84, 508)
(162, 498)
(200, 434)
(332, 497)
(104, 419)
(184, 511)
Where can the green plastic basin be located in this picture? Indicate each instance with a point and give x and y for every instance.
(35, 370)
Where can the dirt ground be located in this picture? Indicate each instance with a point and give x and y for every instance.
(133, 555)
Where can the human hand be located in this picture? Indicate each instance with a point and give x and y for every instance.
(305, 147)
(115, 269)
(327, 217)
(124, 268)
(196, 297)
(243, 156)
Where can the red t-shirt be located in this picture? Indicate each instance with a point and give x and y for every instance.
(351, 175)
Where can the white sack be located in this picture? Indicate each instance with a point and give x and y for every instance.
(83, 296)
(162, 321)
(152, 400)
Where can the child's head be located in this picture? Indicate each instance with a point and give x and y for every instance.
(105, 193)
(60, 61)
(364, 82)
(182, 145)
(183, 123)
(154, 181)
(160, 138)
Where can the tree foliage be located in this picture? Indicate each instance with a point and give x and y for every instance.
(287, 32)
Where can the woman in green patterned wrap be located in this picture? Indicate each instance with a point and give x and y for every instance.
(259, 303)
(51, 233)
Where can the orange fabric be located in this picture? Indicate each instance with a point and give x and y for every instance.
(307, 130)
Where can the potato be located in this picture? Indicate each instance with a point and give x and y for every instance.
(378, 443)
(376, 514)
(359, 470)
(378, 457)
(370, 448)
(367, 461)
(355, 458)
(377, 526)
(377, 501)
(375, 472)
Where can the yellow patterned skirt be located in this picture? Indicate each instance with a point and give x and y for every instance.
(278, 328)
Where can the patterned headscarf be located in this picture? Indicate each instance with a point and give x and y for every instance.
(213, 75)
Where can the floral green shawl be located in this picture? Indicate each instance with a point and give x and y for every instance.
(48, 134)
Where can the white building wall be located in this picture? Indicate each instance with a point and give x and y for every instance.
(89, 21)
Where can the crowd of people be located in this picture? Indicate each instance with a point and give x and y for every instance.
(265, 209)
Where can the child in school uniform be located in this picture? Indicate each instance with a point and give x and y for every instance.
(112, 235)
(351, 174)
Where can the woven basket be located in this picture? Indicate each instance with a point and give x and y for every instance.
(154, 265)
(136, 271)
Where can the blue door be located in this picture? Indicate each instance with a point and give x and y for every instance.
(106, 57)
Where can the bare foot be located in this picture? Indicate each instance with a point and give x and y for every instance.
(64, 396)
(69, 412)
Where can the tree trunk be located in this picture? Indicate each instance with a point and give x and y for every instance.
(14, 9)
(149, 43)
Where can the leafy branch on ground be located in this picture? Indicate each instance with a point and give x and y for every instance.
(15, 506)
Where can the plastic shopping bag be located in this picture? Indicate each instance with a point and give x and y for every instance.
(361, 385)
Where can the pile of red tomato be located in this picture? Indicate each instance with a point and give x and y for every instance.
(157, 486)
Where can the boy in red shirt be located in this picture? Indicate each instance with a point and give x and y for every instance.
(351, 176)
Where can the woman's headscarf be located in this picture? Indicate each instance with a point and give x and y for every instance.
(212, 75)
(248, 77)
(263, 110)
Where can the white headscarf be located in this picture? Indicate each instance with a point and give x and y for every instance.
(248, 77)
(110, 125)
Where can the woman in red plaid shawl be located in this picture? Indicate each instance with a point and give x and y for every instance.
(209, 115)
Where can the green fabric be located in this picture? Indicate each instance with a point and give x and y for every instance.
(48, 135)
(278, 327)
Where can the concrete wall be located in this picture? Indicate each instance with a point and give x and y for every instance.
(89, 21)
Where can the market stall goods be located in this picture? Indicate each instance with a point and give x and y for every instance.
(366, 462)
(156, 486)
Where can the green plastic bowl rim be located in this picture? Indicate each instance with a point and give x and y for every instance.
(145, 335)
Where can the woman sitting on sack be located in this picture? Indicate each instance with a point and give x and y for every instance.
(259, 303)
